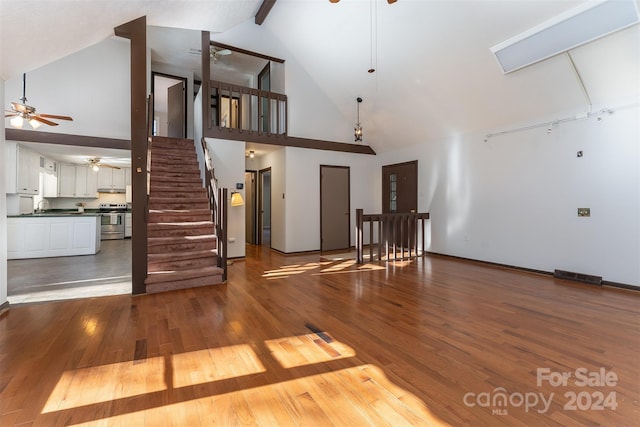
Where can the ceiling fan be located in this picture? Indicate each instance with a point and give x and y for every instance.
(216, 54)
(96, 165)
(21, 112)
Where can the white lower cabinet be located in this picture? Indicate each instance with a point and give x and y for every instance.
(42, 237)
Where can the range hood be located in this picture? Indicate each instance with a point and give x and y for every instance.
(111, 190)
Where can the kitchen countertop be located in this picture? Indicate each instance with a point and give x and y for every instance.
(55, 214)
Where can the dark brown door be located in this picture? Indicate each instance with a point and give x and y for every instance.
(334, 208)
(250, 178)
(400, 195)
(176, 111)
(264, 207)
(400, 187)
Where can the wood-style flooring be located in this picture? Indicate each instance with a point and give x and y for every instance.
(299, 340)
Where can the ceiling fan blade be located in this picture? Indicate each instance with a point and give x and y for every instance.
(53, 116)
(45, 121)
(11, 114)
(109, 166)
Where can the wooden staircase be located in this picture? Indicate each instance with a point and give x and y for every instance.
(182, 244)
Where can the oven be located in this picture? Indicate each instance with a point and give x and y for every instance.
(112, 221)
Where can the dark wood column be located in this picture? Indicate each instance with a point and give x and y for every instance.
(136, 32)
(206, 78)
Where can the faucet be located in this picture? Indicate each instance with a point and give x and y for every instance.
(39, 207)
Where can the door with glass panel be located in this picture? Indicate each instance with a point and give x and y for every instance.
(400, 195)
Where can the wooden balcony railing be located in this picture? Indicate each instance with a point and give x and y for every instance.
(398, 235)
(243, 109)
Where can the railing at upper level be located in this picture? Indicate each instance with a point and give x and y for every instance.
(243, 109)
(398, 236)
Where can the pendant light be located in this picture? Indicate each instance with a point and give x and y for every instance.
(358, 128)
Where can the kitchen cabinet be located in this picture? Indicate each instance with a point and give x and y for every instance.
(51, 236)
(111, 179)
(67, 180)
(22, 170)
(77, 181)
(49, 171)
(86, 182)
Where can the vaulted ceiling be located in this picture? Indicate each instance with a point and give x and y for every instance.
(435, 76)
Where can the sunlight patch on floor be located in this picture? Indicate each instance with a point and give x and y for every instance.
(214, 364)
(104, 383)
(308, 349)
(359, 395)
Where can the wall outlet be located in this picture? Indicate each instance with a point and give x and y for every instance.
(232, 239)
(584, 211)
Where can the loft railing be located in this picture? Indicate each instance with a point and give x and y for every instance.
(218, 206)
(398, 235)
(236, 108)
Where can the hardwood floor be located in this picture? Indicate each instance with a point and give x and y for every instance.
(302, 341)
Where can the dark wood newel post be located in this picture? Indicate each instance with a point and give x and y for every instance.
(136, 32)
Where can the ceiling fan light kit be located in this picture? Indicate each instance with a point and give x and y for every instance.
(20, 112)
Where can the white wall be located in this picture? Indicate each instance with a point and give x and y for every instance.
(276, 160)
(228, 162)
(514, 198)
(92, 86)
(3, 214)
(303, 192)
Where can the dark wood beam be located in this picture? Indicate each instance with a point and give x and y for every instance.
(65, 139)
(136, 32)
(264, 10)
(245, 51)
(287, 141)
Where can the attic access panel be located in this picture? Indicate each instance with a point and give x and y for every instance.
(576, 27)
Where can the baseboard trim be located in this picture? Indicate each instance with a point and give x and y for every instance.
(621, 286)
(4, 307)
(494, 264)
(616, 285)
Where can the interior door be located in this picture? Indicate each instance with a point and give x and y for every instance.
(334, 208)
(264, 207)
(176, 111)
(400, 187)
(400, 194)
(250, 206)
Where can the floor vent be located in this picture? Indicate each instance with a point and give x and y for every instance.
(578, 277)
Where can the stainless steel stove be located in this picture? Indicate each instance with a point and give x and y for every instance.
(112, 220)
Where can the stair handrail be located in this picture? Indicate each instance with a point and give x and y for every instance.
(217, 204)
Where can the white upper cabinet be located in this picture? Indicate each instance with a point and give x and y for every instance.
(111, 179)
(77, 181)
(23, 169)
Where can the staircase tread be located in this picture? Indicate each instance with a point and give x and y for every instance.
(173, 224)
(177, 275)
(182, 255)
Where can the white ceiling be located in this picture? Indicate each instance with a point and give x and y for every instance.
(436, 77)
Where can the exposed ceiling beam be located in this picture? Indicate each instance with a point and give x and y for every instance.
(65, 139)
(264, 10)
